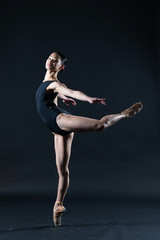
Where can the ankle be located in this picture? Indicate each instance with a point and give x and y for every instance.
(57, 203)
(123, 115)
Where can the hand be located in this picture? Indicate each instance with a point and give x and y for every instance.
(68, 101)
(97, 100)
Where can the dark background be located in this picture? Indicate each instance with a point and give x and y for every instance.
(112, 49)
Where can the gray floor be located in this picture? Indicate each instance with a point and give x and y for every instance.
(84, 219)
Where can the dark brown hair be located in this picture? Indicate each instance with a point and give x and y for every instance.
(63, 59)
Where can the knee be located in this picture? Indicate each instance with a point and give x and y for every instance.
(69, 136)
(99, 127)
(63, 172)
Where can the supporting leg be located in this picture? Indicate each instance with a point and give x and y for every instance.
(62, 146)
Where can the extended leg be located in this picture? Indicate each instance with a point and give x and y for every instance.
(82, 124)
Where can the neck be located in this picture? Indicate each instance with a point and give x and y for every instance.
(50, 75)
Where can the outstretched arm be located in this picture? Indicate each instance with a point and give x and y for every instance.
(62, 89)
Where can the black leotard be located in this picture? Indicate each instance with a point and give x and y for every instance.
(47, 109)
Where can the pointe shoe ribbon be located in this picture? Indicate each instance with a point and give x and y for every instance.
(60, 209)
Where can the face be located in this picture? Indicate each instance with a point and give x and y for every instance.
(54, 62)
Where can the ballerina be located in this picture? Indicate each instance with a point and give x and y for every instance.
(63, 124)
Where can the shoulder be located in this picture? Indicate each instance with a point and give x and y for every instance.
(57, 84)
(53, 85)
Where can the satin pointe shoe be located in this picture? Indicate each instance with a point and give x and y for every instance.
(57, 213)
(134, 109)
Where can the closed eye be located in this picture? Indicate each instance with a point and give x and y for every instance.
(55, 60)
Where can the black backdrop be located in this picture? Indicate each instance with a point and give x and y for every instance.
(112, 50)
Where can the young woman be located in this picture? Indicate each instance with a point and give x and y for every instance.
(63, 124)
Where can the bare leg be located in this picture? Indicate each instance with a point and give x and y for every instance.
(83, 124)
(109, 120)
(62, 146)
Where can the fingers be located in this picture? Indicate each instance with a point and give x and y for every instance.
(73, 102)
(69, 101)
(98, 102)
(103, 102)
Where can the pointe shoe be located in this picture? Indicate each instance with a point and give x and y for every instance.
(134, 109)
(57, 213)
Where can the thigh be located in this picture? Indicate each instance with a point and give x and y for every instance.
(76, 123)
(62, 145)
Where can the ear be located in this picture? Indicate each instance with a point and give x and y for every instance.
(62, 67)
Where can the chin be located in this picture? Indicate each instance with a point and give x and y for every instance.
(47, 67)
